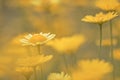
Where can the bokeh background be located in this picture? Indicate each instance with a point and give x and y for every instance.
(61, 17)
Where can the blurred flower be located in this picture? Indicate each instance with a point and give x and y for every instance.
(36, 2)
(100, 17)
(116, 53)
(26, 71)
(5, 70)
(107, 5)
(37, 39)
(25, 3)
(33, 61)
(94, 69)
(59, 76)
(67, 44)
(107, 42)
(80, 3)
(16, 40)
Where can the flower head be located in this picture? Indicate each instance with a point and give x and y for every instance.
(107, 42)
(67, 44)
(116, 53)
(59, 76)
(94, 69)
(107, 5)
(33, 61)
(37, 39)
(100, 17)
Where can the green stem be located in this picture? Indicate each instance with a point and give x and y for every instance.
(41, 73)
(99, 55)
(65, 62)
(111, 50)
(38, 49)
(73, 59)
(35, 73)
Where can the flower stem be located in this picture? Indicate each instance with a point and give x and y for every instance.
(35, 73)
(38, 49)
(111, 50)
(99, 55)
(41, 72)
(65, 62)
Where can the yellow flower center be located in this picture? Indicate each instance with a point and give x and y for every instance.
(37, 38)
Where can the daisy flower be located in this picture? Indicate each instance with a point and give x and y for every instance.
(36, 39)
(107, 5)
(59, 76)
(100, 17)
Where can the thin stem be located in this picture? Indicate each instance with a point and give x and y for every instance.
(73, 59)
(38, 49)
(41, 73)
(35, 73)
(65, 61)
(99, 55)
(111, 50)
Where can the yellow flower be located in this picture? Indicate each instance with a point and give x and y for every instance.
(37, 39)
(107, 5)
(94, 69)
(26, 71)
(107, 42)
(59, 76)
(100, 17)
(36, 2)
(67, 44)
(116, 53)
(16, 40)
(33, 61)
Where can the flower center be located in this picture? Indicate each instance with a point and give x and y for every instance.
(37, 38)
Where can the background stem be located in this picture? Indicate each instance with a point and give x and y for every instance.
(99, 55)
(35, 73)
(111, 50)
(38, 49)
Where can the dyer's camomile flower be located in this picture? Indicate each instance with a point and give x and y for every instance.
(116, 54)
(33, 61)
(59, 76)
(100, 17)
(107, 5)
(37, 39)
(107, 42)
(91, 70)
(67, 44)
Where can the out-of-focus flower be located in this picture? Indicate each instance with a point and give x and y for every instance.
(116, 53)
(44, 2)
(36, 2)
(16, 40)
(26, 71)
(100, 17)
(33, 61)
(80, 2)
(25, 3)
(59, 76)
(67, 44)
(4, 70)
(107, 5)
(107, 42)
(94, 69)
(37, 39)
